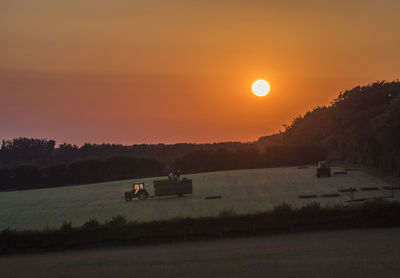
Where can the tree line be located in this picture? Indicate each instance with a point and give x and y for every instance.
(249, 157)
(21, 151)
(79, 172)
(362, 125)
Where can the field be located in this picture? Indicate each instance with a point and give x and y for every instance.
(242, 191)
(346, 253)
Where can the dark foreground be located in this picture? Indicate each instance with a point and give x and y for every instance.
(345, 253)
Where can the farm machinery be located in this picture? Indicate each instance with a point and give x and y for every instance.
(173, 187)
(167, 187)
(323, 169)
(137, 190)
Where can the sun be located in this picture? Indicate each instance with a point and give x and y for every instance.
(260, 88)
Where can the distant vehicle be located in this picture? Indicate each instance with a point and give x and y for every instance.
(323, 169)
(137, 191)
(167, 187)
(170, 187)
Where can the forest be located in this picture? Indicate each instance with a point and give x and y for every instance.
(361, 126)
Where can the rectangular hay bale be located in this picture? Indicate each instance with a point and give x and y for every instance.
(369, 188)
(330, 195)
(308, 196)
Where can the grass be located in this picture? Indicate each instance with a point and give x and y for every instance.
(243, 191)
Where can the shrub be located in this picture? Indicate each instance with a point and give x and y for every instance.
(313, 208)
(92, 223)
(337, 207)
(283, 209)
(117, 221)
(7, 233)
(375, 204)
(379, 207)
(66, 227)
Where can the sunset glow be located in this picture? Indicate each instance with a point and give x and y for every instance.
(150, 72)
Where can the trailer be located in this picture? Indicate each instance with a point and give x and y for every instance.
(169, 187)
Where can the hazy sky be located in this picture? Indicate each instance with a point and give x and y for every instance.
(124, 71)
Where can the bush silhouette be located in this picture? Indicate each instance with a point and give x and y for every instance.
(117, 221)
(92, 223)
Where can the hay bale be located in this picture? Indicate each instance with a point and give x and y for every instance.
(369, 188)
(330, 195)
(212, 197)
(308, 196)
(391, 187)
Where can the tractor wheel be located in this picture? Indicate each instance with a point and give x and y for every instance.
(142, 195)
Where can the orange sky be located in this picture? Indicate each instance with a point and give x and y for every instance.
(181, 71)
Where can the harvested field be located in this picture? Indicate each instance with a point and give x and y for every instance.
(346, 253)
(242, 191)
(347, 190)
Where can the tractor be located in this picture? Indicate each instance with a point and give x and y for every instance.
(137, 190)
(323, 169)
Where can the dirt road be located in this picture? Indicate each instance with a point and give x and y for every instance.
(349, 253)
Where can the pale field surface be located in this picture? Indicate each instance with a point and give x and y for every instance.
(244, 191)
(346, 253)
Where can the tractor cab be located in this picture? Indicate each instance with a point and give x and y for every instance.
(323, 169)
(137, 186)
(137, 190)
